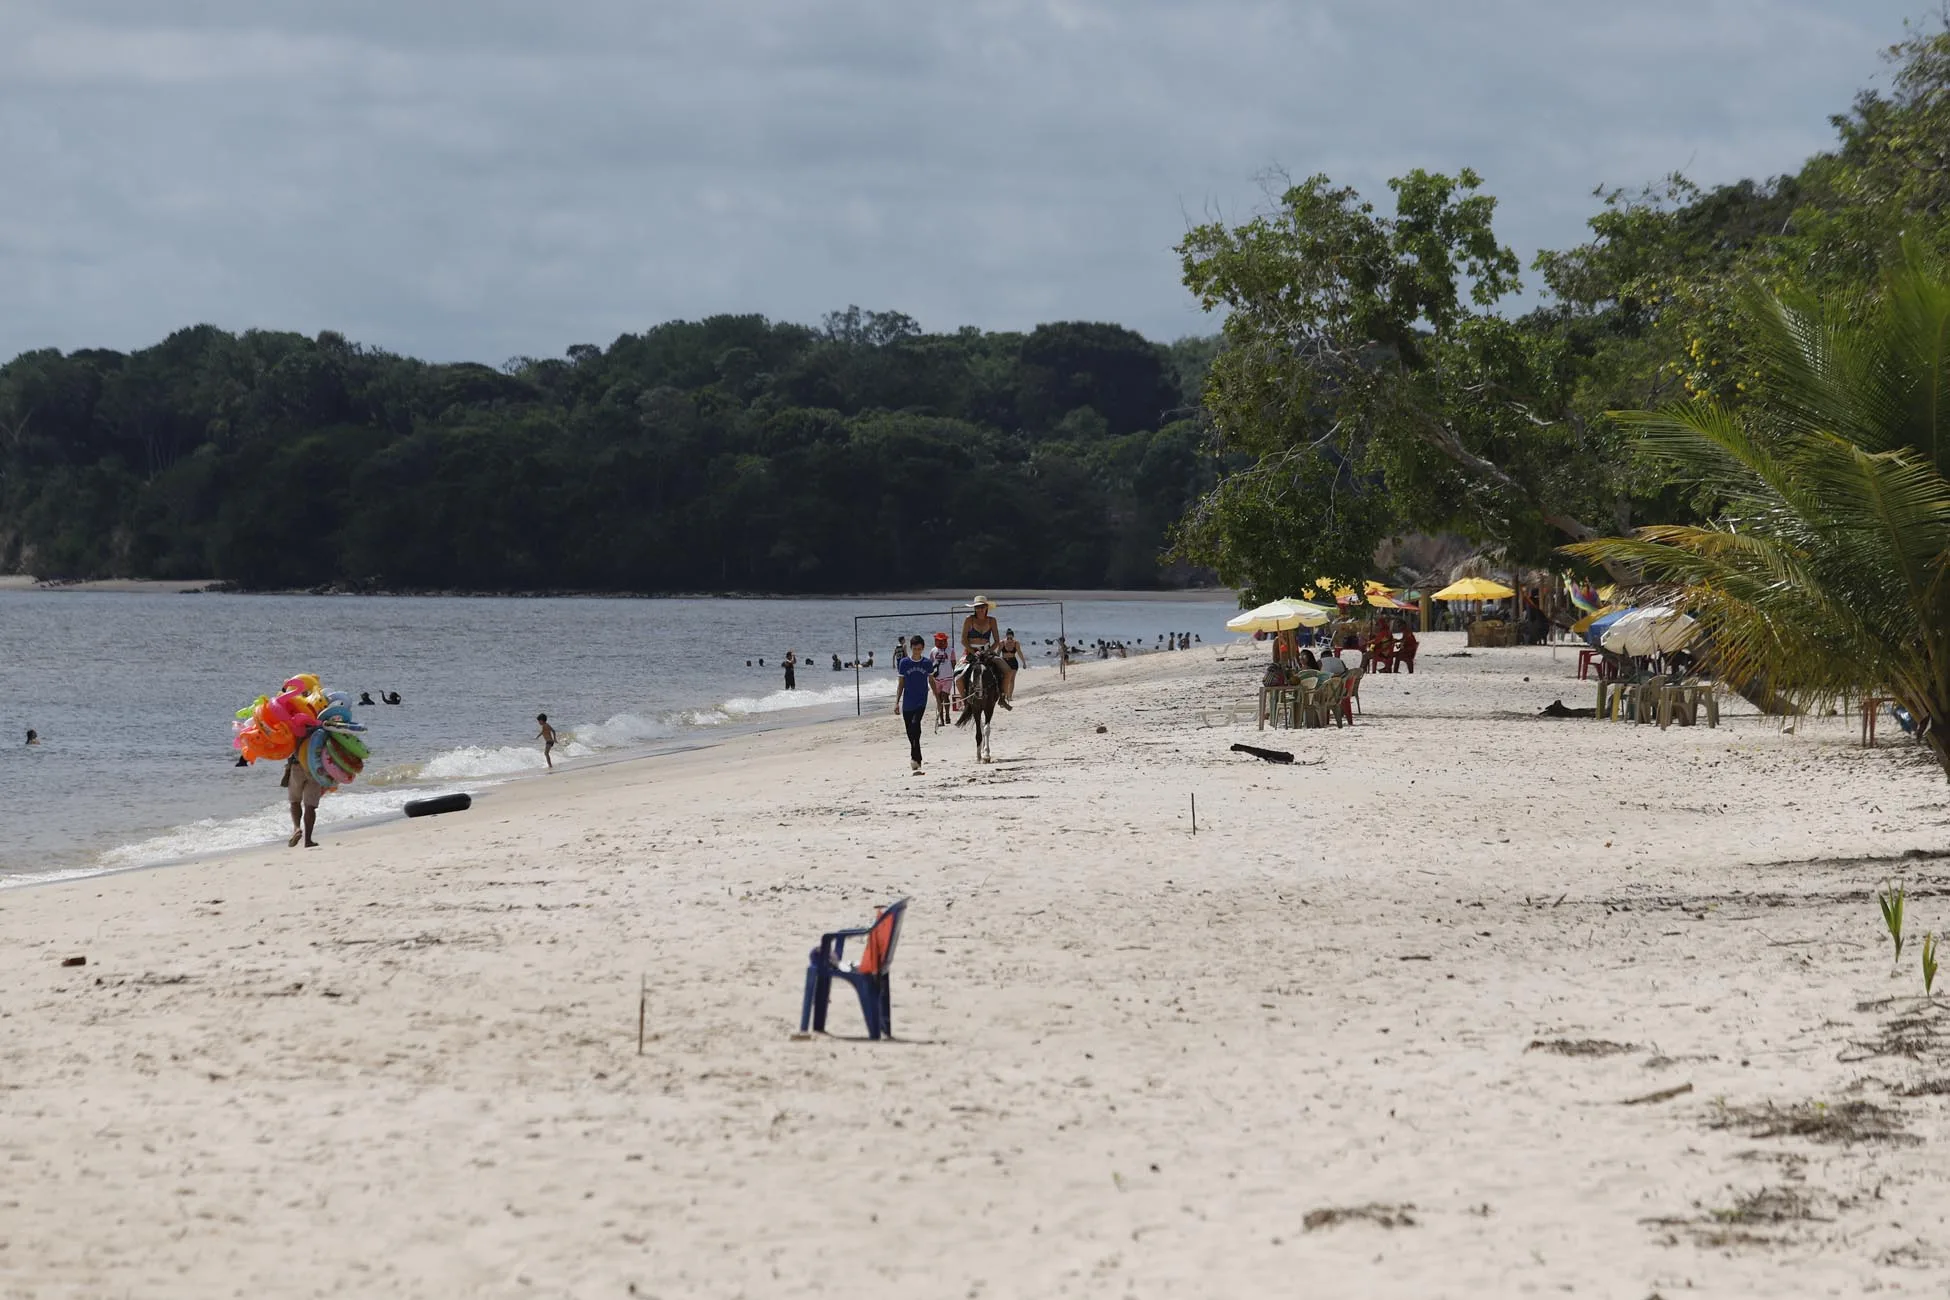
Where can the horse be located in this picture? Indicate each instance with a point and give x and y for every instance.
(980, 686)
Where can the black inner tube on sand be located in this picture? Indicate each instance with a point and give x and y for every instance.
(444, 803)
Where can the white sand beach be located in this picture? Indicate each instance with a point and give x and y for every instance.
(1130, 1061)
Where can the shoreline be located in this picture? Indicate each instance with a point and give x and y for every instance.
(782, 720)
(477, 787)
(1463, 1002)
(215, 586)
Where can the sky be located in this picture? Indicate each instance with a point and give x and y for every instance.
(481, 179)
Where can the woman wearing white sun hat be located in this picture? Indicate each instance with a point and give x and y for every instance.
(978, 630)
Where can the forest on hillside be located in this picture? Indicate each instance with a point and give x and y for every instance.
(729, 454)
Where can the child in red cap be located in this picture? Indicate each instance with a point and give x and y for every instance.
(944, 679)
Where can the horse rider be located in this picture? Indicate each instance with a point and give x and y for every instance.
(979, 632)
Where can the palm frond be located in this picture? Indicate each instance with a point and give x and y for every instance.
(1827, 573)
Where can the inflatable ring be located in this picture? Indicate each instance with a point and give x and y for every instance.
(444, 803)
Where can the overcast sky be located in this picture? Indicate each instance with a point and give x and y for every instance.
(474, 179)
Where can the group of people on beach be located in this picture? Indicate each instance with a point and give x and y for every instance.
(923, 674)
(1393, 645)
(930, 674)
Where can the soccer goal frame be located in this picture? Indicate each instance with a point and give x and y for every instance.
(951, 623)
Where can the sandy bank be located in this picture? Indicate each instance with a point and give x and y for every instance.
(142, 586)
(1133, 1061)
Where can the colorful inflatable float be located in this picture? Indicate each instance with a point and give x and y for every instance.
(308, 721)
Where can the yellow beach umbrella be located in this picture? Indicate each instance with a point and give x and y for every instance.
(1280, 616)
(1381, 596)
(1474, 589)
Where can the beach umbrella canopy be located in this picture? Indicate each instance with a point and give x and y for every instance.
(1280, 616)
(1656, 629)
(1474, 589)
(1583, 625)
(1595, 627)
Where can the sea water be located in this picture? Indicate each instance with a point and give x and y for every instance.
(133, 696)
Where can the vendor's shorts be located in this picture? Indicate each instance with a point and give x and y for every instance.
(304, 791)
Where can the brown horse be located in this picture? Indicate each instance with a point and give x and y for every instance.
(979, 684)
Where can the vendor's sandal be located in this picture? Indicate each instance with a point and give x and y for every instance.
(292, 843)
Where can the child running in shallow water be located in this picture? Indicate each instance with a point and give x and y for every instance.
(547, 736)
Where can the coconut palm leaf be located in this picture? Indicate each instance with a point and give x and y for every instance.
(1826, 575)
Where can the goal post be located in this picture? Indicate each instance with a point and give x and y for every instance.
(929, 621)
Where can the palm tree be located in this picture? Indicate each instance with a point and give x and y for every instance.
(1826, 573)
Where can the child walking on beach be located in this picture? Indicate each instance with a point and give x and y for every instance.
(916, 673)
(547, 736)
(944, 680)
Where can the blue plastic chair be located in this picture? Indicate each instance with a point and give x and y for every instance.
(868, 975)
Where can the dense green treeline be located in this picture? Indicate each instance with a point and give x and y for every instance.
(732, 453)
(1374, 376)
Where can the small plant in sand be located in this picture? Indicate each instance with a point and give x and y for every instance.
(1890, 899)
(1929, 962)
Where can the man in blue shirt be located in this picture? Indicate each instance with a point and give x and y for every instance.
(915, 670)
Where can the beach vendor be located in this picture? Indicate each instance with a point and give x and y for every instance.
(978, 630)
(916, 670)
(304, 792)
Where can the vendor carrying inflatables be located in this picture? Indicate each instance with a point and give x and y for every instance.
(312, 730)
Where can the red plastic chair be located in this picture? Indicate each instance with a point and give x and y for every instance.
(868, 975)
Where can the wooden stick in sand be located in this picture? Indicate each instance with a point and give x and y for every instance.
(642, 1001)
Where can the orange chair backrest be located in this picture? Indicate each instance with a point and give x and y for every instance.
(880, 943)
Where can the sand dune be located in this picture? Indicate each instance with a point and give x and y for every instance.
(1372, 1032)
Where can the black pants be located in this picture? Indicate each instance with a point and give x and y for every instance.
(791, 682)
(913, 720)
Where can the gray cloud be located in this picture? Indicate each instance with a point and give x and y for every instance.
(488, 178)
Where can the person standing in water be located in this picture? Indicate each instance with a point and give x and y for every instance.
(33, 736)
(916, 671)
(547, 736)
(791, 670)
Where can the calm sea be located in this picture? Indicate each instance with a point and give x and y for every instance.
(133, 696)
